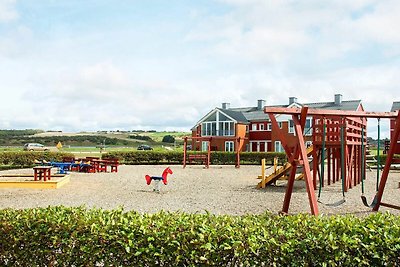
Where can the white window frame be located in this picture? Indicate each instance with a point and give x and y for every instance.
(291, 128)
(204, 146)
(278, 147)
(269, 126)
(261, 126)
(212, 128)
(308, 144)
(310, 132)
(254, 127)
(280, 124)
(229, 146)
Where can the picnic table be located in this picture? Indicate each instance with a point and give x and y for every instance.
(100, 165)
(40, 172)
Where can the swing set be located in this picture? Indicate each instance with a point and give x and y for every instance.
(339, 139)
(206, 158)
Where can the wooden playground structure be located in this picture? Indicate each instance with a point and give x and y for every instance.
(339, 139)
(206, 158)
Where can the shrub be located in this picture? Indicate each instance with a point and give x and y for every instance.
(172, 157)
(60, 236)
(168, 139)
(27, 159)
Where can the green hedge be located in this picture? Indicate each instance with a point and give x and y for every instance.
(26, 159)
(172, 157)
(60, 236)
(382, 158)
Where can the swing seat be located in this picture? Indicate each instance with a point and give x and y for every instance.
(373, 204)
(335, 204)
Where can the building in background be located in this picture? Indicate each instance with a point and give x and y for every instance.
(253, 126)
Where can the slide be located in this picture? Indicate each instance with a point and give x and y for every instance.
(282, 171)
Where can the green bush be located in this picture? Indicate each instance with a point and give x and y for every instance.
(172, 157)
(382, 158)
(60, 236)
(168, 139)
(27, 159)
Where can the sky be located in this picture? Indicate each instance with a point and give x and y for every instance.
(88, 65)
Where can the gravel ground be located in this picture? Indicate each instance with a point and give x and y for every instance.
(219, 190)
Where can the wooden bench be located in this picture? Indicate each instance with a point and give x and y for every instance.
(198, 157)
(114, 163)
(40, 172)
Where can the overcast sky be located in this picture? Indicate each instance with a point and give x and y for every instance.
(77, 65)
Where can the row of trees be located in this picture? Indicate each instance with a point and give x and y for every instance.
(21, 137)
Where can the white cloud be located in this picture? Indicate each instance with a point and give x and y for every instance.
(125, 77)
(8, 10)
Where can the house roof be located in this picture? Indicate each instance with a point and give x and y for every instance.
(236, 115)
(345, 105)
(253, 114)
(247, 114)
(395, 106)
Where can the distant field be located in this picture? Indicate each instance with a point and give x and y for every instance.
(89, 143)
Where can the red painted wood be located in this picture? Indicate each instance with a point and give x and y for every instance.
(306, 167)
(385, 173)
(281, 135)
(331, 113)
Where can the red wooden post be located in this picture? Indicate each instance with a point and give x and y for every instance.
(281, 135)
(184, 151)
(328, 154)
(237, 144)
(388, 163)
(208, 153)
(289, 188)
(306, 166)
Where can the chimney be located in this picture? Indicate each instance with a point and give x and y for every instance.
(226, 105)
(292, 100)
(338, 99)
(260, 104)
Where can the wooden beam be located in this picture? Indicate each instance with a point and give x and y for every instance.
(389, 158)
(331, 113)
(306, 166)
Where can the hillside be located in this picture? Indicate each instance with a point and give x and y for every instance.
(101, 138)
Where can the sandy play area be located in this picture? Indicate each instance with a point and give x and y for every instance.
(219, 190)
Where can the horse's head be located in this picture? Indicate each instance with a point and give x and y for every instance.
(169, 170)
(165, 173)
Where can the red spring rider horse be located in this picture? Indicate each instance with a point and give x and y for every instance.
(157, 179)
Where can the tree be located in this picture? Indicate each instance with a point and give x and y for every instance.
(168, 139)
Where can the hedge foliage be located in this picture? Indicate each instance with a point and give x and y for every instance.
(174, 157)
(26, 159)
(60, 236)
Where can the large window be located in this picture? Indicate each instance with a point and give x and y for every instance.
(226, 128)
(209, 129)
(217, 124)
